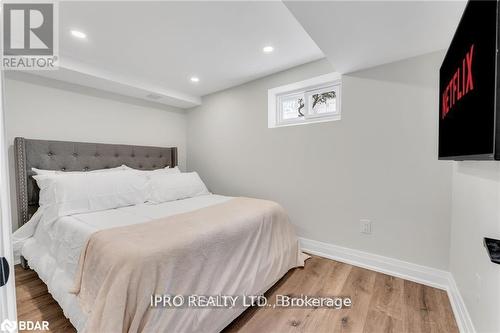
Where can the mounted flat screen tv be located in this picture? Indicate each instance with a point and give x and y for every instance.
(468, 110)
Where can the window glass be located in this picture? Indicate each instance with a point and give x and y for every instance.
(324, 102)
(292, 106)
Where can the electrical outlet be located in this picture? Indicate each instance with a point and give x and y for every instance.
(366, 226)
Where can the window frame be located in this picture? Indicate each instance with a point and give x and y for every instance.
(316, 85)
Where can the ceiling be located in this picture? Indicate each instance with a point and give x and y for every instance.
(141, 48)
(361, 34)
(160, 45)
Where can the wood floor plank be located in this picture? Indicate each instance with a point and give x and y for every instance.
(381, 303)
(447, 317)
(425, 311)
(359, 287)
(386, 313)
(321, 319)
(36, 304)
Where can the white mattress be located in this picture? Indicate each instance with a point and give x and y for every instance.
(54, 249)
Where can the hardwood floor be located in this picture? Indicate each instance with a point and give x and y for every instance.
(35, 303)
(380, 303)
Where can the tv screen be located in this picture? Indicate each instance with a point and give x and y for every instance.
(467, 78)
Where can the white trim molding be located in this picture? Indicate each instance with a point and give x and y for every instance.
(417, 273)
(8, 308)
(462, 316)
(75, 72)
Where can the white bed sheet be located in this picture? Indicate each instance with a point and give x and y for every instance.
(54, 249)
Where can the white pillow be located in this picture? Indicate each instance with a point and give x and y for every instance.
(166, 169)
(174, 186)
(75, 193)
(59, 172)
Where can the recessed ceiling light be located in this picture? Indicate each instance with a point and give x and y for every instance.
(268, 49)
(78, 34)
(195, 79)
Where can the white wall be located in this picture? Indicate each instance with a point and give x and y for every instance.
(379, 162)
(476, 214)
(65, 112)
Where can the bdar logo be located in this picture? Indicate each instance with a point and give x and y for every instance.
(8, 326)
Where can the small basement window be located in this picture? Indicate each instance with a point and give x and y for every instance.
(310, 101)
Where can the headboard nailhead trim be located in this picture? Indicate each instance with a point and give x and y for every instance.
(22, 188)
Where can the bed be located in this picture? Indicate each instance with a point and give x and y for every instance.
(207, 244)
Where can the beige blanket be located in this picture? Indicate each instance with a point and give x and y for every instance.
(240, 247)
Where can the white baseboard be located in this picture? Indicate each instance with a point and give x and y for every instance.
(417, 273)
(462, 316)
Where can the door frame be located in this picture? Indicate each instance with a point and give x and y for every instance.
(8, 309)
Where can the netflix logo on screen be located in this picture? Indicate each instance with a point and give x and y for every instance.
(460, 84)
(469, 117)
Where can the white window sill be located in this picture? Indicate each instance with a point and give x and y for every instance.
(308, 121)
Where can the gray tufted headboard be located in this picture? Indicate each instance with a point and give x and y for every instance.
(77, 156)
